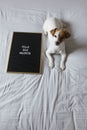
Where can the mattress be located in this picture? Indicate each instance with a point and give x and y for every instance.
(55, 99)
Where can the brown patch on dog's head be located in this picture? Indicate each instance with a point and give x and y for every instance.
(53, 31)
(64, 34)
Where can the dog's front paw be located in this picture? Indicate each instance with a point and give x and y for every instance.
(51, 65)
(62, 66)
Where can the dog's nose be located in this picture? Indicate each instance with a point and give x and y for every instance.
(57, 43)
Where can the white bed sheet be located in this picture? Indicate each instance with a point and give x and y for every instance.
(54, 100)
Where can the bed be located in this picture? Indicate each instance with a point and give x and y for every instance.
(55, 99)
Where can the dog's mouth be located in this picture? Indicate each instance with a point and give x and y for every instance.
(57, 43)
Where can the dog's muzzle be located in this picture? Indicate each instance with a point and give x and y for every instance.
(57, 43)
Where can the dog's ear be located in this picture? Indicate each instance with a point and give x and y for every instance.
(66, 33)
(53, 31)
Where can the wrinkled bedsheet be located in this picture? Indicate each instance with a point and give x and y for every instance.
(55, 99)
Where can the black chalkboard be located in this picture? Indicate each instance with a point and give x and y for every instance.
(25, 53)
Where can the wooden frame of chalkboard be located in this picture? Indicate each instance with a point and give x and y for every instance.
(24, 55)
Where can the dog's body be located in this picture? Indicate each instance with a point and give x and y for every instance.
(56, 33)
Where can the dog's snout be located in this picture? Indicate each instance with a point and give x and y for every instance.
(57, 43)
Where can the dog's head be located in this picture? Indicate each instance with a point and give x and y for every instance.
(58, 36)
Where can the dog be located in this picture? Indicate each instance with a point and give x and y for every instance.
(56, 32)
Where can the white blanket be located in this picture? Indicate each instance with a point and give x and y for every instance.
(54, 100)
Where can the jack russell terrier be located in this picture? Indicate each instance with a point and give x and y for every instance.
(57, 33)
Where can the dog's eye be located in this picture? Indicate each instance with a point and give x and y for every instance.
(55, 36)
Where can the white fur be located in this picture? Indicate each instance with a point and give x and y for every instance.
(49, 24)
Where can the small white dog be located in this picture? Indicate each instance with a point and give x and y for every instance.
(56, 33)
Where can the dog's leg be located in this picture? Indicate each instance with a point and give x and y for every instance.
(50, 59)
(62, 62)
